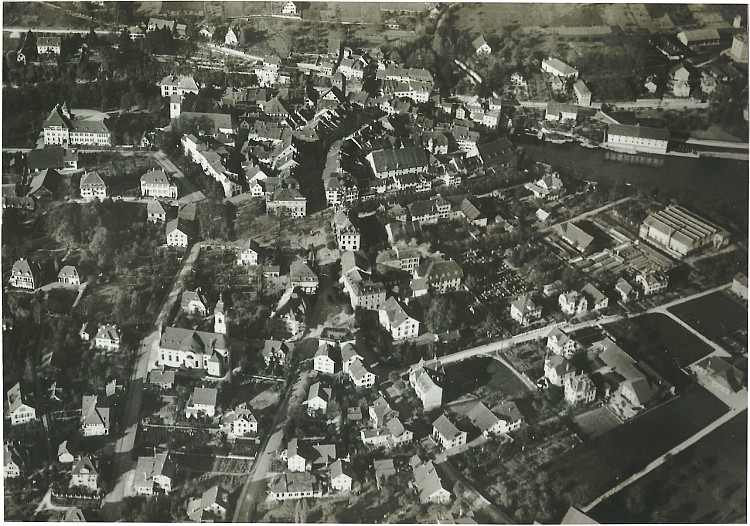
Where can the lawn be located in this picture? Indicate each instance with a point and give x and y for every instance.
(596, 422)
(715, 315)
(595, 466)
(706, 483)
(476, 373)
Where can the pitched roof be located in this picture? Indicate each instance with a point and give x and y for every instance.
(575, 235)
(299, 270)
(68, 271)
(83, 465)
(358, 370)
(92, 178)
(177, 338)
(445, 427)
(524, 304)
(204, 396)
(16, 397)
(395, 312)
(318, 391)
(41, 158)
(398, 159)
(109, 332)
(479, 42)
(155, 177)
(637, 131)
(161, 377)
(338, 469)
(561, 66)
(482, 417)
(182, 225)
(427, 480)
(93, 415)
(155, 207)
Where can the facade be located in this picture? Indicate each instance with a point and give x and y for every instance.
(560, 343)
(84, 474)
(155, 212)
(503, 418)
(193, 350)
(12, 463)
(739, 50)
(302, 276)
(347, 235)
(18, 407)
(248, 256)
(210, 507)
(341, 478)
(202, 401)
(294, 486)
(572, 303)
(194, 303)
(95, 420)
(22, 275)
(322, 361)
(394, 318)
(69, 275)
(429, 486)
(652, 282)
(156, 183)
(637, 138)
(179, 234)
(288, 200)
(524, 310)
(274, 350)
(107, 338)
(178, 85)
(360, 376)
(579, 389)
(289, 8)
(446, 434)
(680, 232)
(440, 276)
(582, 93)
(390, 163)
(317, 399)
(739, 285)
(45, 45)
(154, 475)
(595, 298)
(556, 369)
(93, 186)
(558, 68)
(428, 386)
(238, 422)
(481, 47)
(61, 127)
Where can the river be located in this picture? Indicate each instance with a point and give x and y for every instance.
(702, 183)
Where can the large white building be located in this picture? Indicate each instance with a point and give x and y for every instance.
(156, 183)
(178, 85)
(394, 318)
(194, 350)
(637, 138)
(680, 232)
(62, 127)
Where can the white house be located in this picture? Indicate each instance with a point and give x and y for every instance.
(84, 474)
(446, 434)
(322, 360)
(558, 68)
(481, 46)
(317, 399)
(579, 389)
(20, 411)
(154, 474)
(248, 255)
(560, 343)
(572, 303)
(178, 233)
(194, 303)
(107, 337)
(231, 37)
(201, 402)
(359, 375)
(95, 420)
(238, 422)
(524, 310)
(92, 186)
(341, 477)
(290, 8)
(556, 369)
(394, 318)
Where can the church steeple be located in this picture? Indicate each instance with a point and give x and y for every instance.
(220, 318)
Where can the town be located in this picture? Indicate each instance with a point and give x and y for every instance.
(375, 262)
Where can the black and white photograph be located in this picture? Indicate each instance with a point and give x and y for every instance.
(374, 262)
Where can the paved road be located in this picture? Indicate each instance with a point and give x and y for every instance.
(666, 456)
(54, 30)
(589, 213)
(124, 462)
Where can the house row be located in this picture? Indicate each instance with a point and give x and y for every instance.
(212, 164)
(356, 278)
(26, 274)
(577, 387)
(574, 303)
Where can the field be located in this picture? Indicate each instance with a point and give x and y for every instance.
(477, 373)
(596, 422)
(696, 486)
(595, 466)
(715, 315)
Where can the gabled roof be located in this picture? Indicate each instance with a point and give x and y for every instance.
(637, 131)
(24, 267)
(204, 396)
(427, 480)
(348, 352)
(161, 377)
(155, 207)
(399, 159)
(575, 236)
(48, 179)
(182, 225)
(395, 312)
(83, 465)
(108, 332)
(479, 42)
(92, 179)
(299, 270)
(68, 271)
(49, 157)
(176, 338)
(16, 397)
(155, 177)
(339, 468)
(445, 427)
(482, 417)
(524, 304)
(190, 296)
(318, 391)
(358, 370)
(93, 415)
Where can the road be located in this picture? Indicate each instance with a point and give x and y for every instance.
(666, 456)
(55, 30)
(674, 104)
(589, 213)
(123, 462)
(542, 332)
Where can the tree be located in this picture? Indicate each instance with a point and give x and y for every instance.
(441, 315)
(301, 511)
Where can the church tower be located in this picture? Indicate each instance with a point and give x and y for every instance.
(175, 106)
(220, 318)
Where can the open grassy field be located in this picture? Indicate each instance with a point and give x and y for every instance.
(668, 334)
(715, 315)
(706, 483)
(597, 465)
(596, 422)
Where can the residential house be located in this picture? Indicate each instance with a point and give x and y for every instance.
(481, 47)
(13, 465)
(739, 285)
(395, 320)
(154, 474)
(194, 303)
(384, 468)
(303, 277)
(440, 276)
(427, 383)
(317, 399)
(739, 49)
(290, 8)
(92, 186)
(720, 373)
(107, 338)
(162, 379)
(560, 343)
(502, 419)
(575, 236)
(579, 389)
(65, 453)
(231, 38)
(69, 275)
(652, 282)
(556, 369)
(429, 486)
(160, 23)
(357, 282)
(304, 457)
(24, 274)
(291, 313)
(524, 310)
(633, 384)
(341, 476)
(359, 375)
(626, 291)
(294, 486)
(559, 111)
(178, 85)
(582, 93)
(248, 254)
(156, 183)
(95, 420)
(202, 401)
(347, 235)
(348, 356)
(548, 187)
(84, 474)
(596, 298)
(48, 45)
(212, 506)
(322, 360)
(572, 303)
(338, 336)
(238, 422)
(446, 434)
(390, 163)
(155, 212)
(179, 233)
(193, 349)
(276, 351)
(18, 406)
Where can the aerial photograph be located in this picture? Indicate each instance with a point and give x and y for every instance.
(375, 262)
